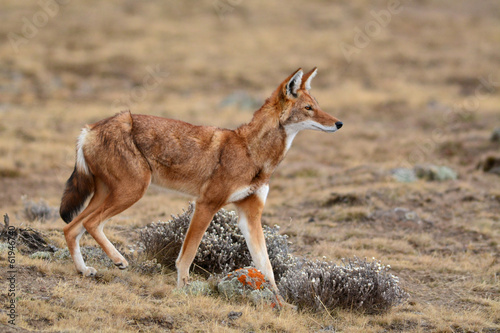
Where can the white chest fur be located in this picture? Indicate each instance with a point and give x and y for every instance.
(241, 193)
(244, 192)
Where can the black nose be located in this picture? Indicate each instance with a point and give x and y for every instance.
(339, 124)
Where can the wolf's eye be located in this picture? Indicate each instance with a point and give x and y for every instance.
(308, 107)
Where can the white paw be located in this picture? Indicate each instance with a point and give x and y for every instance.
(89, 271)
(182, 282)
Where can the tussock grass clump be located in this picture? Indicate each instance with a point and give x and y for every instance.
(222, 249)
(356, 284)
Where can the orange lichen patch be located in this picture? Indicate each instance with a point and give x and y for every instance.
(251, 277)
(242, 279)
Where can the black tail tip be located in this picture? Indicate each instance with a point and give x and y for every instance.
(66, 215)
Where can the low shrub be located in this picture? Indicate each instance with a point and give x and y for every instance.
(356, 284)
(315, 285)
(222, 249)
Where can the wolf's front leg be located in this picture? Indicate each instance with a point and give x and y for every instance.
(202, 217)
(250, 212)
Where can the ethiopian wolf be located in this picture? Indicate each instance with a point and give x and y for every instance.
(118, 157)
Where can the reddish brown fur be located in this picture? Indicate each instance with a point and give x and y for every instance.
(126, 152)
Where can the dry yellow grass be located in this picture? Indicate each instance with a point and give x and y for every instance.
(425, 89)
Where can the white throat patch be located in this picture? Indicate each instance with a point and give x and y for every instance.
(294, 128)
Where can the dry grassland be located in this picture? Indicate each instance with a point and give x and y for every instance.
(419, 86)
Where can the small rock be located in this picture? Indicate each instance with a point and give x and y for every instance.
(250, 283)
(495, 136)
(404, 175)
(229, 288)
(490, 164)
(433, 172)
(261, 296)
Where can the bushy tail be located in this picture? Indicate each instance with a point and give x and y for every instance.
(78, 188)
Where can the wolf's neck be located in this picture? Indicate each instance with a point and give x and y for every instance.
(266, 140)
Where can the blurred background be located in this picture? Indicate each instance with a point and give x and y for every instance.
(416, 83)
(394, 71)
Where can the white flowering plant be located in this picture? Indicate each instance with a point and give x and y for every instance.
(356, 284)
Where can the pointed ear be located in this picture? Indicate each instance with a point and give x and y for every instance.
(292, 84)
(306, 82)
